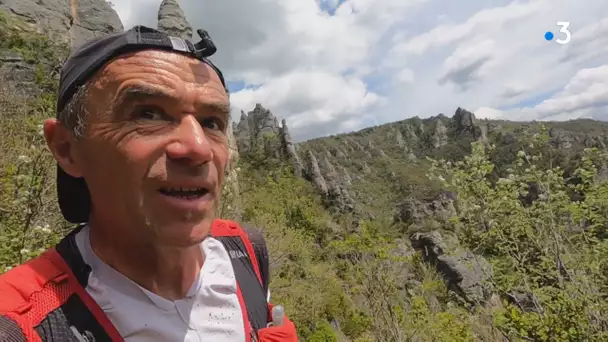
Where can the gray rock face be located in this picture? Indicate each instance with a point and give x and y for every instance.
(464, 272)
(378, 152)
(243, 132)
(441, 208)
(338, 196)
(233, 148)
(14, 70)
(338, 153)
(348, 180)
(94, 18)
(314, 173)
(365, 168)
(347, 145)
(402, 143)
(399, 140)
(67, 21)
(464, 119)
(290, 150)
(329, 171)
(440, 134)
(172, 20)
(410, 134)
(465, 122)
(357, 146)
(560, 139)
(591, 141)
(484, 133)
(253, 126)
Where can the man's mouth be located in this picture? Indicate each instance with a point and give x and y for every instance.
(184, 193)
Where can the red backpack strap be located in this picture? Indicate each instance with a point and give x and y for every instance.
(246, 269)
(26, 295)
(230, 228)
(34, 291)
(261, 253)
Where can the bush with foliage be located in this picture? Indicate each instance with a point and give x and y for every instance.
(541, 244)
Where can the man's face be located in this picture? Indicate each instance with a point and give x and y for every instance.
(154, 149)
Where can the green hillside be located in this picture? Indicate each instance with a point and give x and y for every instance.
(438, 229)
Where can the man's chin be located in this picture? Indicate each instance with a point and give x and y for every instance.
(185, 232)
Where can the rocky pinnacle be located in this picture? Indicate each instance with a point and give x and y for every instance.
(172, 20)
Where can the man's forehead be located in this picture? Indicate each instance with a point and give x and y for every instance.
(161, 61)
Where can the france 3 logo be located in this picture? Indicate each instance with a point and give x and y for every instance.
(564, 33)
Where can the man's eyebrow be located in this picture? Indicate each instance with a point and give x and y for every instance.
(221, 108)
(139, 92)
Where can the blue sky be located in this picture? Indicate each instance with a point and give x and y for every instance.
(331, 66)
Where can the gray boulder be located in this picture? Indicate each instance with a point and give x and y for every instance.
(465, 273)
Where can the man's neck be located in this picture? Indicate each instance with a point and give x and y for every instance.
(166, 271)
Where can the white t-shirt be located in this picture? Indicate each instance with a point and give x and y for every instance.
(210, 311)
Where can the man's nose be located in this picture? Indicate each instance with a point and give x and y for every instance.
(190, 144)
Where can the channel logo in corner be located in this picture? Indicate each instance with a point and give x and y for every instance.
(564, 35)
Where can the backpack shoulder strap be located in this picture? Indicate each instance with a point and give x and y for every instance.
(45, 300)
(246, 269)
(22, 283)
(20, 289)
(261, 252)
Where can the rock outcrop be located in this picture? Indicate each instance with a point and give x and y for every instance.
(172, 20)
(290, 150)
(464, 119)
(338, 195)
(440, 134)
(560, 139)
(253, 126)
(464, 122)
(313, 173)
(409, 134)
(440, 208)
(72, 22)
(465, 273)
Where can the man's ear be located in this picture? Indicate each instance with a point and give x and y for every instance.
(60, 141)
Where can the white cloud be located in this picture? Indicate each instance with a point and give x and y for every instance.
(314, 99)
(488, 113)
(586, 90)
(469, 63)
(584, 96)
(405, 76)
(378, 61)
(482, 20)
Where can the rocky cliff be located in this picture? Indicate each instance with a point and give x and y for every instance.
(343, 167)
(172, 20)
(69, 21)
(65, 23)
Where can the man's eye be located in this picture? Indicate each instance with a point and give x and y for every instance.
(211, 123)
(150, 114)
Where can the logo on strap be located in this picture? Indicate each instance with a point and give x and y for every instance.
(86, 337)
(237, 254)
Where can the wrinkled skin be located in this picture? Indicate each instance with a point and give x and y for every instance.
(156, 120)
